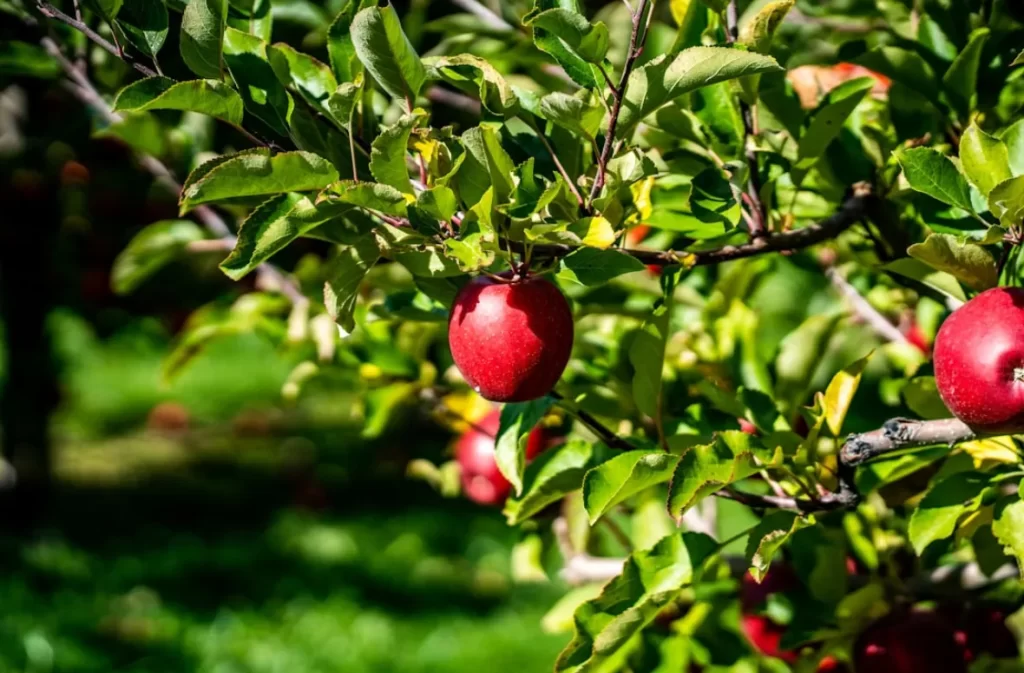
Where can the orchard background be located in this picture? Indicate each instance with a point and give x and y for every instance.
(697, 253)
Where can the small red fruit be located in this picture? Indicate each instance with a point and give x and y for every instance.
(482, 481)
(830, 664)
(764, 634)
(637, 233)
(916, 336)
(747, 427)
(979, 361)
(511, 340)
(909, 642)
(983, 630)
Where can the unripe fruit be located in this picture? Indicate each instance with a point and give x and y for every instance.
(511, 341)
(482, 481)
(979, 361)
(909, 642)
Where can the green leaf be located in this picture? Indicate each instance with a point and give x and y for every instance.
(141, 131)
(202, 36)
(342, 103)
(591, 266)
(712, 199)
(558, 619)
(260, 175)
(271, 227)
(1006, 201)
(517, 421)
(576, 67)
(144, 24)
(257, 20)
(312, 79)
(623, 476)
(906, 67)
(383, 198)
(937, 515)
(799, 357)
(108, 9)
(961, 80)
(707, 468)
(922, 397)
(150, 250)
(588, 41)
(1008, 528)
(262, 92)
(551, 476)
(767, 538)
(345, 275)
(580, 113)
(1014, 139)
(476, 77)
(340, 48)
(385, 51)
(667, 77)
(984, 158)
(932, 173)
(826, 122)
(650, 580)
(647, 356)
(758, 33)
(209, 97)
(24, 59)
(433, 206)
(840, 392)
(388, 152)
(487, 166)
(968, 262)
(921, 272)
(381, 404)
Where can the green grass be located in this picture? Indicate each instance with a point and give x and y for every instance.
(200, 553)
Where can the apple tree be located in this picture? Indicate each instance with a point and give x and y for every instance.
(675, 270)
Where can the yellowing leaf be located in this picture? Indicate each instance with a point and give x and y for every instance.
(985, 452)
(460, 410)
(642, 198)
(600, 233)
(840, 392)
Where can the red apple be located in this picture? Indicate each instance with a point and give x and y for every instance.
(747, 427)
(511, 340)
(764, 634)
(909, 641)
(637, 233)
(983, 629)
(979, 361)
(916, 336)
(482, 481)
(830, 664)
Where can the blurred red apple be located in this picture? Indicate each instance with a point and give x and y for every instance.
(482, 481)
(909, 641)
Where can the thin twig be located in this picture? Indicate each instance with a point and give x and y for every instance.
(48, 10)
(864, 310)
(603, 432)
(636, 45)
(558, 165)
(79, 85)
(757, 223)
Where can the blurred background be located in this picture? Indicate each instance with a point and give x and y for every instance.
(201, 521)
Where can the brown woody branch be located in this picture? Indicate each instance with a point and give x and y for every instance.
(51, 12)
(636, 47)
(856, 206)
(757, 222)
(898, 434)
(863, 308)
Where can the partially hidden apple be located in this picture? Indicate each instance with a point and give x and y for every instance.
(979, 361)
(510, 339)
(482, 481)
(909, 641)
(764, 634)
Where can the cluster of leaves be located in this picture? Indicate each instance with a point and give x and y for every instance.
(401, 161)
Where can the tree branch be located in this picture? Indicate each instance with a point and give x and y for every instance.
(79, 85)
(603, 432)
(864, 310)
(757, 223)
(580, 567)
(51, 12)
(856, 206)
(636, 47)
